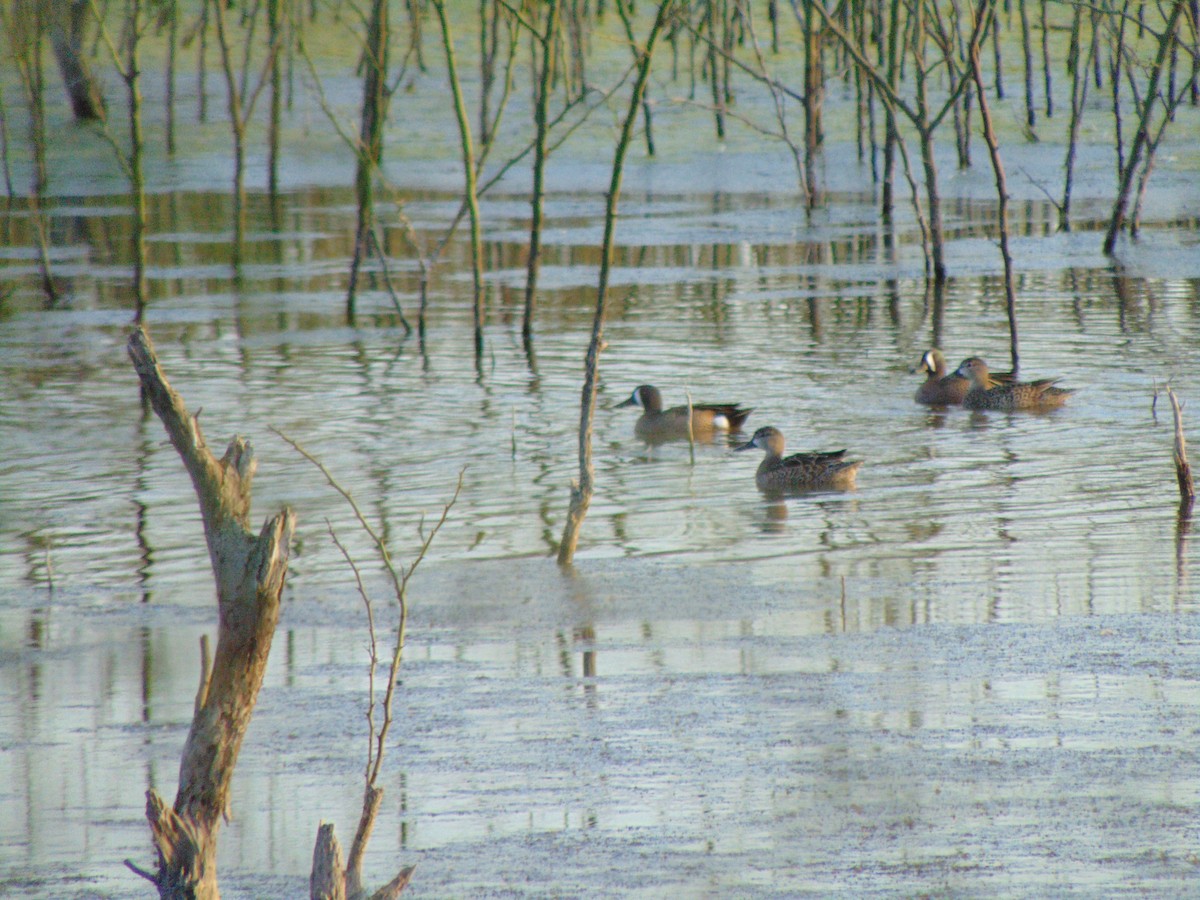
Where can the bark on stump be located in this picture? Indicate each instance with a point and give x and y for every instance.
(249, 571)
(332, 880)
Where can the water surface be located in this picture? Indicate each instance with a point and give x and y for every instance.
(973, 674)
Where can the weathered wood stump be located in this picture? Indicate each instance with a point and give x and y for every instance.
(328, 878)
(331, 880)
(249, 570)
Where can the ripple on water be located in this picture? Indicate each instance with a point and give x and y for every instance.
(724, 674)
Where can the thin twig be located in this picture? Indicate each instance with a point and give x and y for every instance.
(691, 428)
(376, 739)
(759, 75)
(397, 581)
(373, 645)
(387, 279)
(138, 870)
(402, 597)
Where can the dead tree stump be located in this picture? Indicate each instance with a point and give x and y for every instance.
(328, 878)
(1183, 469)
(332, 880)
(249, 570)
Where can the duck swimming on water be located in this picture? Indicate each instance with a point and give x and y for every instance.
(800, 471)
(657, 424)
(943, 388)
(984, 394)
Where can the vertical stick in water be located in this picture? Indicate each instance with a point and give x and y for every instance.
(468, 155)
(691, 430)
(549, 42)
(1027, 51)
(369, 151)
(581, 490)
(1142, 139)
(1183, 469)
(984, 15)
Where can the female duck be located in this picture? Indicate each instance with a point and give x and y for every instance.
(984, 394)
(947, 389)
(658, 424)
(800, 471)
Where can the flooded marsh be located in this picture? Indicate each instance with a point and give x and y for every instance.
(975, 673)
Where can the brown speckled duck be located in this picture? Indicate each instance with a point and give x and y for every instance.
(941, 388)
(800, 471)
(984, 394)
(657, 424)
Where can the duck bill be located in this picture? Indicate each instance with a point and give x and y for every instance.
(628, 402)
(749, 445)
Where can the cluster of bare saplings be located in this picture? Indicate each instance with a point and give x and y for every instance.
(917, 71)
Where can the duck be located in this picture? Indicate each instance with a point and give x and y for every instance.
(986, 394)
(942, 388)
(657, 424)
(800, 471)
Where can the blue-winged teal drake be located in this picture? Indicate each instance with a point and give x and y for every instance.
(947, 389)
(984, 394)
(800, 471)
(658, 424)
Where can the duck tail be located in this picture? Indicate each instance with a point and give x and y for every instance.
(737, 416)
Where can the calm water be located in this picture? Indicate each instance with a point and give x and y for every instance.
(974, 674)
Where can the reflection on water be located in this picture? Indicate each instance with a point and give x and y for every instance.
(726, 675)
(720, 727)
